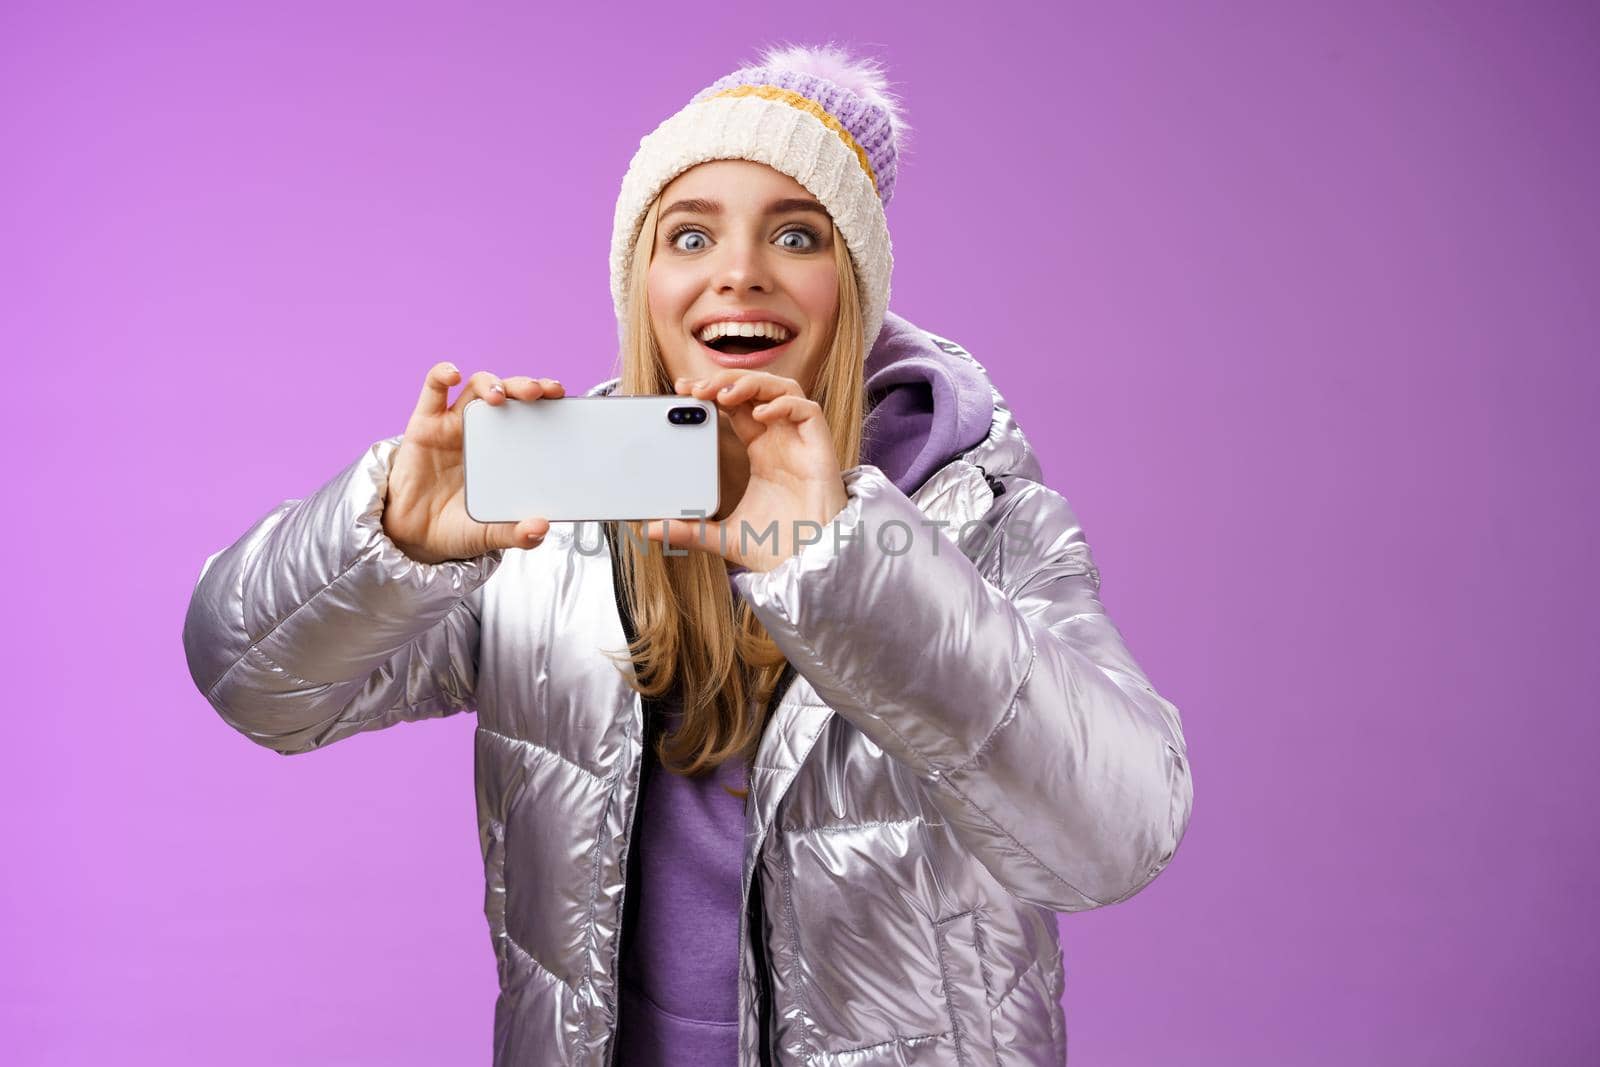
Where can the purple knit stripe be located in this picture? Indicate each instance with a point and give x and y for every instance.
(868, 124)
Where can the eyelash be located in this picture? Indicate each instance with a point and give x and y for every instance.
(816, 238)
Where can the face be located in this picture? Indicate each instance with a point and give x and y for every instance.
(736, 240)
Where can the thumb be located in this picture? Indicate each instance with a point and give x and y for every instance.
(685, 533)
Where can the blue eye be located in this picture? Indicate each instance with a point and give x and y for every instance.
(814, 239)
(805, 231)
(672, 239)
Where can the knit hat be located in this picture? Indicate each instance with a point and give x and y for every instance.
(822, 117)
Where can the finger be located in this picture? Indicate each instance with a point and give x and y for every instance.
(793, 408)
(735, 386)
(691, 387)
(482, 384)
(763, 387)
(757, 387)
(436, 389)
(744, 425)
(529, 533)
(704, 534)
(522, 387)
(734, 390)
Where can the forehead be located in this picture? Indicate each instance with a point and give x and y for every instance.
(739, 183)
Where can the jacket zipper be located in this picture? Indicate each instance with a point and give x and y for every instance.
(755, 916)
(631, 634)
(764, 1000)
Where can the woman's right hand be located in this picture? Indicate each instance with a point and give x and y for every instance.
(425, 512)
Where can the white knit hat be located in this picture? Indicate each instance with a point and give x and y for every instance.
(825, 119)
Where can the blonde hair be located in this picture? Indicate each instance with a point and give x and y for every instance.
(692, 631)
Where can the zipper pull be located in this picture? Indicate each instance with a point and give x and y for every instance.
(995, 485)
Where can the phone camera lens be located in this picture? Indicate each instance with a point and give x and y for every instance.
(686, 416)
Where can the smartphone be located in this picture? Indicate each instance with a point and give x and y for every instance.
(575, 458)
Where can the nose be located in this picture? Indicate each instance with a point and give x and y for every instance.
(743, 268)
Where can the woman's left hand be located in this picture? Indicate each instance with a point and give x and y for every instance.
(795, 487)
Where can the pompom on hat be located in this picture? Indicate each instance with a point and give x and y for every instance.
(815, 113)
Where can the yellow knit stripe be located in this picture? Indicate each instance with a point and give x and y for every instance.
(795, 100)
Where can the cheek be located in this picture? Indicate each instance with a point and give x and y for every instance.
(817, 292)
(668, 300)
(670, 296)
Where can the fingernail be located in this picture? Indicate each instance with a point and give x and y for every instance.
(497, 388)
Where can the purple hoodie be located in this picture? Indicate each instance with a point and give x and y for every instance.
(679, 969)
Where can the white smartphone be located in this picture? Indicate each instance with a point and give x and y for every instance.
(575, 458)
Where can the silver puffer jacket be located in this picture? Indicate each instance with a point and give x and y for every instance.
(967, 747)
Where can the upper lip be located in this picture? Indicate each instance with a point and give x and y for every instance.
(743, 316)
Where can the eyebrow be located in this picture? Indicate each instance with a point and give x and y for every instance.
(698, 206)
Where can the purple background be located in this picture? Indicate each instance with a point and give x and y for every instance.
(1297, 304)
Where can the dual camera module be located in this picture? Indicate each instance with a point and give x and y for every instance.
(686, 416)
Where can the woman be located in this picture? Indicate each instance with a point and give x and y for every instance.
(809, 799)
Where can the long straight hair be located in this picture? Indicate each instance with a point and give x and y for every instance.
(692, 631)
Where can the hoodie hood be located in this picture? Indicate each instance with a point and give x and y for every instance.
(926, 405)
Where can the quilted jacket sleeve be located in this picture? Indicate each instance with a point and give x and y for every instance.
(314, 625)
(1039, 738)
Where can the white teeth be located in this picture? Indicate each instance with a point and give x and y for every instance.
(743, 329)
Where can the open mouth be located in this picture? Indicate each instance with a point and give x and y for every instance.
(742, 346)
